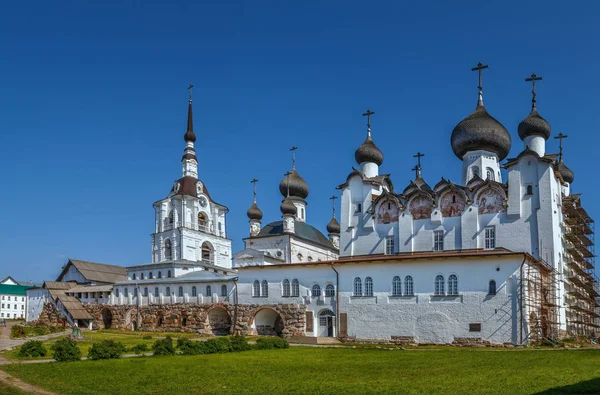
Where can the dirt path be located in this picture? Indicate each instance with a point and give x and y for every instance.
(23, 386)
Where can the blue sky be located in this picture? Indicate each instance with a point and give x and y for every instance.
(93, 105)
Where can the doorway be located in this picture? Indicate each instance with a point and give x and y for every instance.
(326, 323)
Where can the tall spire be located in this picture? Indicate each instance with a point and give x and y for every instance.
(189, 134)
(189, 159)
(533, 79)
(480, 67)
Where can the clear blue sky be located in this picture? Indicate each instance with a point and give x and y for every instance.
(93, 105)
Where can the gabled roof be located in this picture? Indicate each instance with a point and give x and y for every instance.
(379, 180)
(58, 285)
(302, 231)
(96, 272)
(7, 278)
(11, 289)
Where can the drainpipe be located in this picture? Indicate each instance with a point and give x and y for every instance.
(521, 301)
(337, 301)
(235, 311)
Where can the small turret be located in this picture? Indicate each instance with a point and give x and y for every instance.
(254, 214)
(333, 227)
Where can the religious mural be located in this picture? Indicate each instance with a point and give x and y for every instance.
(420, 207)
(387, 213)
(490, 201)
(453, 204)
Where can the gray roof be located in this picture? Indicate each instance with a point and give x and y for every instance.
(302, 230)
(534, 125)
(97, 272)
(198, 276)
(368, 152)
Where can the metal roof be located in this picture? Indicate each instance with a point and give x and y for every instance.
(193, 277)
(302, 230)
(97, 272)
(8, 289)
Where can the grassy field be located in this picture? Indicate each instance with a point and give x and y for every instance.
(335, 370)
(9, 390)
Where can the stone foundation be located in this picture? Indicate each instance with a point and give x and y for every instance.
(204, 319)
(50, 316)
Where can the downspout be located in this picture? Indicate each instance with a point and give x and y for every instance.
(337, 301)
(521, 300)
(235, 310)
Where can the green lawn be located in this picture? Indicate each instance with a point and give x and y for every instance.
(308, 370)
(6, 389)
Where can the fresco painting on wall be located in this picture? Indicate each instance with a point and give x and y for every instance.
(490, 201)
(453, 204)
(420, 208)
(387, 213)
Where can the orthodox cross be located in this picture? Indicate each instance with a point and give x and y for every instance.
(368, 115)
(417, 168)
(254, 181)
(190, 89)
(287, 182)
(333, 198)
(293, 149)
(560, 137)
(480, 67)
(533, 79)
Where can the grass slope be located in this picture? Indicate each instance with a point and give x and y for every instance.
(6, 389)
(318, 370)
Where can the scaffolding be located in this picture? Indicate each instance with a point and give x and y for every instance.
(539, 285)
(581, 284)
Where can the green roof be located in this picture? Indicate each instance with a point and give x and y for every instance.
(7, 289)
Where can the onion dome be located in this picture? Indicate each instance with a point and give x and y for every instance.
(368, 152)
(288, 207)
(333, 226)
(254, 212)
(534, 125)
(296, 184)
(480, 131)
(189, 135)
(566, 173)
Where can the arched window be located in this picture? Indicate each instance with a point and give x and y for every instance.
(529, 189)
(316, 291)
(357, 287)
(286, 287)
(439, 285)
(168, 291)
(408, 286)
(453, 285)
(264, 291)
(133, 276)
(194, 292)
(492, 288)
(159, 274)
(135, 292)
(208, 291)
(329, 291)
(368, 286)
(172, 217)
(302, 213)
(125, 292)
(145, 291)
(256, 288)
(295, 288)
(150, 275)
(156, 294)
(202, 221)
(207, 253)
(168, 249)
(223, 290)
(180, 292)
(141, 276)
(490, 173)
(169, 274)
(475, 171)
(117, 292)
(396, 286)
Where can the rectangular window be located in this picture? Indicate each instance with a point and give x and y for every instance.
(490, 237)
(475, 327)
(389, 245)
(359, 207)
(438, 240)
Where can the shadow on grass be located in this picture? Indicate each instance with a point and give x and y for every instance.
(584, 387)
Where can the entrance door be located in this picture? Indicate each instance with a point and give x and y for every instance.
(326, 323)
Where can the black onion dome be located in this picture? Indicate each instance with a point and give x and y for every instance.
(566, 173)
(333, 226)
(298, 187)
(480, 131)
(368, 152)
(288, 207)
(534, 125)
(254, 212)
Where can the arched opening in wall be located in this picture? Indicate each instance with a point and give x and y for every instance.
(207, 253)
(131, 320)
(326, 323)
(202, 222)
(171, 218)
(107, 318)
(267, 322)
(159, 319)
(219, 321)
(168, 250)
(184, 319)
(490, 174)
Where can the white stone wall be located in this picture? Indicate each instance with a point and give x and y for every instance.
(12, 306)
(118, 296)
(36, 298)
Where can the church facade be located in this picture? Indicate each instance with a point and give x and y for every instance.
(504, 256)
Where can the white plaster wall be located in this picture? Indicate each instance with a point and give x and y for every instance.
(35, 303)
(72, 274)
(173, 297)
(13, 306)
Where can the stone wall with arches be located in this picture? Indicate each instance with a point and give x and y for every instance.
(204, 319)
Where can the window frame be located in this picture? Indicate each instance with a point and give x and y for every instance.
(489, 237)
(492, 290)
(438, 240)
(264, 289)
(397, 286)
(295, 288)
(208, 291)
(357, 287)
(439, 286)
(315, 291)
(256, 289)
(329, 291)
(224, 290)
(452, 285)
(286, 288)
(390, 245)
(368, 292)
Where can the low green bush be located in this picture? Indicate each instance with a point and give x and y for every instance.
(217, 345)
(164, 346)
(192, 348)
(182, 341)
(268, 343)
(147, 337)
(33, 348)
(106, 349)
(139, 349)
(239, 343)
(66, 350)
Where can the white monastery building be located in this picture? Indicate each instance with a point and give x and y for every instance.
(504, 256)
